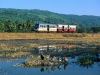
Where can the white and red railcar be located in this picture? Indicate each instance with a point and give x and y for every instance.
(72, 28)
(62, 28)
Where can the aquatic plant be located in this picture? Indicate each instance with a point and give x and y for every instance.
(86, 61)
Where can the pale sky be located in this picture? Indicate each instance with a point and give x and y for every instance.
(77, 7)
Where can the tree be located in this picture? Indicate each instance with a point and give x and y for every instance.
(2, 26)
(81, 29)
(95, 29)
(29, 26)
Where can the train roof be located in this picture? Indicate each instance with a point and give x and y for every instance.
(56, 24)
(66, 24)
(46, 24)
(73, 24)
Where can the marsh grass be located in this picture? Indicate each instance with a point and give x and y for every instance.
(11, 47)
(67, 37)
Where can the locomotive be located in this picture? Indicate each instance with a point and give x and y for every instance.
(60, 28)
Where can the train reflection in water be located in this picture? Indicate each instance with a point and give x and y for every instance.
(49, 49)
(71, 49)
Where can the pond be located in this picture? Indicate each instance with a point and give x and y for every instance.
(83, 59)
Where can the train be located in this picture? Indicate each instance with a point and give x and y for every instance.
(60, 28)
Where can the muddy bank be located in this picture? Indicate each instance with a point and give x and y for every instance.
(35, 41)
(45, 60)
(33, 63)
(41, 42)
(29, 44)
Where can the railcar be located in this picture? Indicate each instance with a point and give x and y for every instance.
(55, 28)
(62, 28)
(45, 28)
(72, 28)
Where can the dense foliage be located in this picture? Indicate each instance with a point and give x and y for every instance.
(23, 20)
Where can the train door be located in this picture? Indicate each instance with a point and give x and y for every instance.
(47, 28)
(68, 28)
(62, 28)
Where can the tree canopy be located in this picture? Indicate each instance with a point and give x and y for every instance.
(23, 20)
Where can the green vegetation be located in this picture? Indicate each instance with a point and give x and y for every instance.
(23, 20)
(86, 61)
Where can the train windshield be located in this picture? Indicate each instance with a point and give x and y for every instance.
(36, 26)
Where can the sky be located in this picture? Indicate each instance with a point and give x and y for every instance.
(77, 7)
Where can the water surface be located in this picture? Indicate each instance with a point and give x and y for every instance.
(10, 61)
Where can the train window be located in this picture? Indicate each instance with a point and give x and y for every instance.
(42, 25)
(53, 26)
(45, 26)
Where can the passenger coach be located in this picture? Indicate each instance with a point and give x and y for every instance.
(45, 28)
